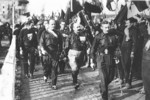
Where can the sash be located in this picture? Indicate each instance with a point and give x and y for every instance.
(52, 32)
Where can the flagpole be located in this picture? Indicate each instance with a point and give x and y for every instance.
(13, 15)
(71, 4)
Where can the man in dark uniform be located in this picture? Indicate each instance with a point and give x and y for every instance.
(128, 50)
(75, 45)
(8, 31)
(146, 63)
(28, 47)
(65, 33)
(51, 47)
(103, 49)
(41, 29)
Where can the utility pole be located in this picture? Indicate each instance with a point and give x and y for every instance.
(13, 14)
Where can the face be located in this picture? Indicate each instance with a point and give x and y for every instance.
(62, 25)
(52, 24)
(127, 23)
(38, 26)
(76, 28)
(46, 24)
(105, 28)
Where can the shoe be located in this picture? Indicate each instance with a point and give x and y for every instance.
(31, 75)
(127, 86)
(54, 87)
(26, 76)
(142, 91)
(45, 78)
(76, 86)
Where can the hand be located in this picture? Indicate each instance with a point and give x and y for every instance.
(92, 64)
(117, 60)
(132, 54)
(147, 46)
(106, 51)
(43, 52)
(88, 51)
(21, 51)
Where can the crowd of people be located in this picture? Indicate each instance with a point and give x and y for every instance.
(117, 50)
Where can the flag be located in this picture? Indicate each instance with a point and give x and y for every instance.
(108, 5)
(141, 5)
(95, 8)
(27, 14)
(132, 11)
(74, 8)
(122, 15)
(62, 14)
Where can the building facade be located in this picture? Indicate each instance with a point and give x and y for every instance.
(6, 9)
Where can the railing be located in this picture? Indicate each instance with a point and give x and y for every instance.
(7, 76)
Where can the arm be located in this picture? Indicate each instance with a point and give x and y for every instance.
(94, 47)
(42, 44)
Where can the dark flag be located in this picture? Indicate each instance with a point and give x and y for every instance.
(122, 15)
(74, 8)
(141, 5)
(95, 8)
(27, 14)
(35, 20)
(88, 8)
(108, 5)
(62, 15)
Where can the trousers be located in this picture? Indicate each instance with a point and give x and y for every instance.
(29, 60)
(50, 67)
(75, 61)
(106, 66)
(146, 73)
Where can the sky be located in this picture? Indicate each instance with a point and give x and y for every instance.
(47, 6)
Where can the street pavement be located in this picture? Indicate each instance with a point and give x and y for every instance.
(37, 89)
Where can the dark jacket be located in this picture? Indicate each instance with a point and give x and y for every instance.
(132, 41)
(24, 41)
(102, 42)
(40, 31)
(50, 43)
(73, 42)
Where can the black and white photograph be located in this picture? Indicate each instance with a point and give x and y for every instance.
(74, 49)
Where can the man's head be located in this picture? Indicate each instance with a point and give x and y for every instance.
(131, 21)
(62, 24)
(39, 24)
(127, 23)
(29, 24)
(77, 28)
(105, 26)
(46, 22)
(52, 24)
